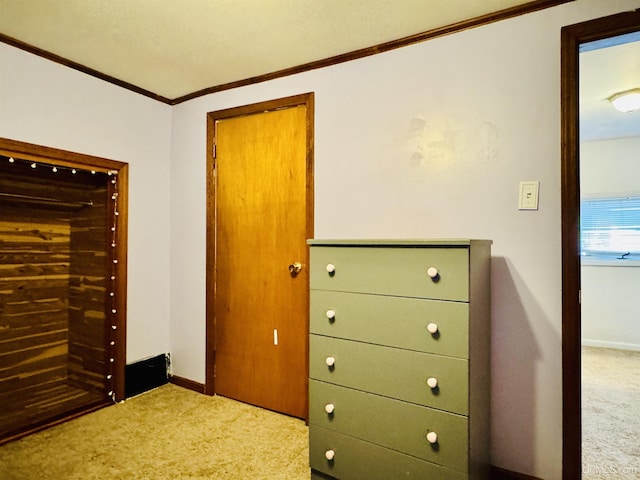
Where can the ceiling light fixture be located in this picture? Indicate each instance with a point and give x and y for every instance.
(627, 101)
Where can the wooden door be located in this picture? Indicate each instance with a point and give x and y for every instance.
(261, 222)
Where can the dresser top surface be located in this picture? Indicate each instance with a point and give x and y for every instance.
(440, 242)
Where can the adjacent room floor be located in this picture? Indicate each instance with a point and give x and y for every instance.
(610, 413)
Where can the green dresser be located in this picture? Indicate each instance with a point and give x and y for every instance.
(399, 359)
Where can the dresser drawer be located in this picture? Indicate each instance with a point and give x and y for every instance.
(392, 271)
(356, 459)
(393, 321)
(391, 372)
(398, 425)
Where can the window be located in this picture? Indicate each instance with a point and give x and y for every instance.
(610, 228)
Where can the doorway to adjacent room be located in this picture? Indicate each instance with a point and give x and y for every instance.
(572, 38)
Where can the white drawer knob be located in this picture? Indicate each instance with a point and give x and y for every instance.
(432, 382)
(331, 314)
(331, 268)
(331, 361)
(432, 328)
(329, 408)
(433, 272)
(432, 437)
(329, 454)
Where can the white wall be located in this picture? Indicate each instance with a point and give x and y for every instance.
(427, 141)
(54, 106)
(610, 167)
(610, 314)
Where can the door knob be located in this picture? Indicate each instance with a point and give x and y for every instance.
(295, 268)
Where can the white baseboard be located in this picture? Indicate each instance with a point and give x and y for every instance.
(617, 345)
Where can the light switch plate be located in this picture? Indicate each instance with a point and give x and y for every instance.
(528, 199)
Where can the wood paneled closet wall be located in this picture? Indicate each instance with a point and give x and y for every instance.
(58, 306)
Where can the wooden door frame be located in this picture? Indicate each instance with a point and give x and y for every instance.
(571, 38)
(116, 323)
(306, 99)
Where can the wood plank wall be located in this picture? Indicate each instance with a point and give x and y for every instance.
(88, 297)
(34, 284)
(53, 262)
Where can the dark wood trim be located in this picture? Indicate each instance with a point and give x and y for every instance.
(64, 158)
(186, 383)
(121, 254)
(79, 67)
(310, 102)
(570, 201)
(381, 48)
(210, 281)
(306, 99)
(275, 104)
(571, 38)
(497, 473)
(523, 9)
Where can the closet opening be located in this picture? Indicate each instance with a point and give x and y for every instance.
(62, 285)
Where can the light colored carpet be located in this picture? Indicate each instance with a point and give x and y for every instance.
(167, 433)
(610, 413)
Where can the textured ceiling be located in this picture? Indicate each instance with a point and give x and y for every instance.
(174, 48)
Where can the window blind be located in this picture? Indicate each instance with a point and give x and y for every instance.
(610, 227)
